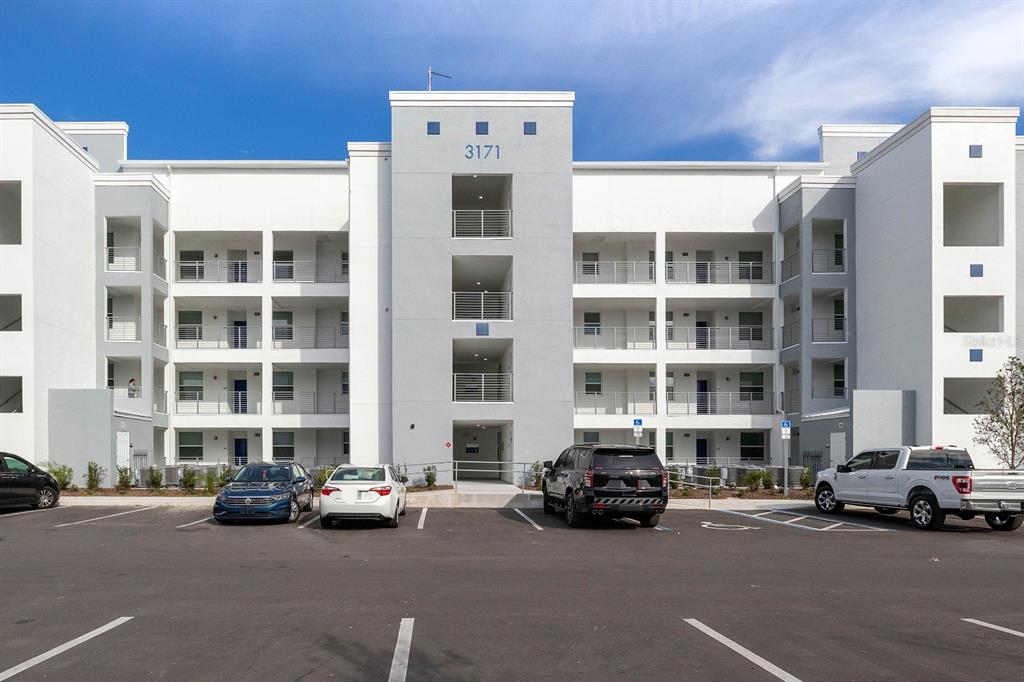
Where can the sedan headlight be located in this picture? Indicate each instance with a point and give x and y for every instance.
(280, 498)
(222, 493)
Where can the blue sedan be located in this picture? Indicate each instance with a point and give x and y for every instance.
(266, 491)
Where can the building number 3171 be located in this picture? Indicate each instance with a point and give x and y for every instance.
(483, 151)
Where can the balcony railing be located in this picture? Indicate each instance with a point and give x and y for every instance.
(310, 402)
(320, 271)
(719, 338)
(720, 402)
(790, 334)
(829, 392)
(481, 305)
(287, 336)
(160, 334)
(828, 329)
(485, 224)
(160, 402)
(234, 271)
(122, 328)
(610, 338)
(724, 272)
(613, 272)
(125, 392)
(124, 259)
(791, 266)
(828, 260)
(159, 266)
(218, 402)
(204, 336)
(615, 402)
(482, 387)
(791, 400)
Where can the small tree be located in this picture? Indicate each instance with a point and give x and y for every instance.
(94, 475)
(1001, 425)
(124, 479)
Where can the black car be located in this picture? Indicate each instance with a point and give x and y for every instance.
(617, 481)
(265, 491)
(24, 484)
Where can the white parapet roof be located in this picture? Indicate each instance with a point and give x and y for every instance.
(480, 98)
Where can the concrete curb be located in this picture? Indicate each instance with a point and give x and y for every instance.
(127, 501)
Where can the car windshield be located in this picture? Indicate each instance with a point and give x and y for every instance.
(612, 459)
(280, 474)
(939, 459)
(358, 474)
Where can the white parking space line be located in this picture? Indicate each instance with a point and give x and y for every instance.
(423, 519)
(192, 523)
(316, 517)
(56, 651)
(835, 527)
(30, 511)
(767, 520)
(661, 528)
(767, 666)
(100, 518)
(400, 661)
(1000, 628)
(531, 521)
(828, 520)
(795, 518)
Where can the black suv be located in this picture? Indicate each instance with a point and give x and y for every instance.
(618, 481)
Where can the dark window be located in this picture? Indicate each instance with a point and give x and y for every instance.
(752, 445)
(591, 437)
(359, 474)
(284, 386)
(592, 383)
(481, 127)
(190, 445)
(591, 323)
(284, 446)
(639, 459)
(15, 464)
(433, 127)
(861, 461)
(974, 151)
(939, 459)
(529, 127)
(886, 459)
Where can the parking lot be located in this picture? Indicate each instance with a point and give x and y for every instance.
(165, 593)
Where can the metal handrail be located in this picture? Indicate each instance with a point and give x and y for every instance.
(160, 402)
(231, 271)
(791, 266)
(121, 328)
(289, 336)
(482, 387)
(615, 402)
(828, 329)
(218, 402)
(790, 334)
(828, 260)
(481, 224)
(159, 266)
(310, 402)
(829, 392)
(311, 271)
(126, 392)
(678, 477)
(755, 401)
(521, 473)
(613, 272)
(720, 338)
(205, 336)
(160, 334)
(719, 272)
(123, 259)
(610, 338)
(481, 305)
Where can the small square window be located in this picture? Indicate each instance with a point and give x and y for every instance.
(861, 155)
(481, 127)
(977, 269)
(976, 355)
(974, 151)
(433, 127)
(529, 127)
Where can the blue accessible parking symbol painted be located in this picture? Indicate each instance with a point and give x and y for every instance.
(786, 424)
(638, 422)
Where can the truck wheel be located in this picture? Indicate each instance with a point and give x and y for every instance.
(572, 515)
(825, 500)
(548, 507)
(650, 521)
(1004, 521)
(886, 510)
(925, 513)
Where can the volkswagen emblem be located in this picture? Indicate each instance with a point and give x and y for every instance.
(248, 500)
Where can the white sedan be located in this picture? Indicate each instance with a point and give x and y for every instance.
(376, 491)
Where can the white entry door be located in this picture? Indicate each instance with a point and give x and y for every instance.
(123, 448)
(837, 447)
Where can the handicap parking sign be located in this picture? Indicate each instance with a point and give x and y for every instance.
(638, 422)
(786, 423)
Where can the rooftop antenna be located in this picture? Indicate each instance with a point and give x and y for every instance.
(430, 77)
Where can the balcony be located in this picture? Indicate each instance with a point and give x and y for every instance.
(790, 334)
(476, 387)
(122, 328)
(481, 224)
(202, 336)
(218, 402)
(123, 259)
(791, 400)
(615, 402)
(127, 397)
(791, 266)
(829, 392)
(318, 271)
(231, 271)
(718, 272)
(291, 337)
(719, 338)
(613, 272)
(828, 260)
(720, 403)
(481, 305)
(310, 402)
(160, 402)
(160, 334)
(613, 338)
(828, 329)
(159, 266)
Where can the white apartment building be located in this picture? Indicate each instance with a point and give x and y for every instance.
(467, 292)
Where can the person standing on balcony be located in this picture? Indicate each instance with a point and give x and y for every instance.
(133, 390)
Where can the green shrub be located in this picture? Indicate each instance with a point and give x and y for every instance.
(537, 469)
(188, 479)
(321, 475)
(224, 476)
(156, 479)
(124, 479)
(754, 479)
(430, 475)
(210, 479)
(805, 478)
(767, 479)
(94, 475)
(675, 477)
(62, 472)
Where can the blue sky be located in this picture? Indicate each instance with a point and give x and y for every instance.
(653, 80)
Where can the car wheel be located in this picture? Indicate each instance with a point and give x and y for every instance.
(392, 522)
(925, 513)
(309, 505)
(293, 511)
(223, 522)
(886, 510)
(651, 521)
(325, 522)
(46, 498)
(548, 507)
(572, 515)
(1004, 521)
(404, 506)
(825, 500)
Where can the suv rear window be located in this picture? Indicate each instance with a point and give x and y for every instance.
(613, 459)
(939, 459)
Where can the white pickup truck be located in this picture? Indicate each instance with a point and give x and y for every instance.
(929, 481)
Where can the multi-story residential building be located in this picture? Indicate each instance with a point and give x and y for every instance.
(468, 293)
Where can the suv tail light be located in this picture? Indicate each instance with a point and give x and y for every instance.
(588, 478)
(381, 490)
(963, 484)
(664, 478)
(327, 490)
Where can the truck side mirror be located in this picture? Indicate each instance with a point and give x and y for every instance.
(842, 469)
(548, 464)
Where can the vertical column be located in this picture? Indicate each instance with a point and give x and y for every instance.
(267, 445)
(266, 330)
(660, 365)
